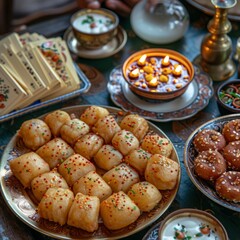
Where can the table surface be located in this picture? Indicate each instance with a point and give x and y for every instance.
(98, 73)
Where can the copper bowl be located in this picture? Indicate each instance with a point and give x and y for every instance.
(148, 94)
(93, 40)
(200, 220)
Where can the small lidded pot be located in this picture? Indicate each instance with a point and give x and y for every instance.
(228, 97)
(191, 223)
(94, 28)
(158, 74)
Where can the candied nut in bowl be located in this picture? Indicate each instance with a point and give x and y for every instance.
(191, 223)
(158, 74)
(94, 28)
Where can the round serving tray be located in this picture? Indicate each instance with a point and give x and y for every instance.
(190, 153)
(196, 97)
(20, 202)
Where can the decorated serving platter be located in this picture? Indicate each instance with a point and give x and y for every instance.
(190, 154)
(196, 98)
(23, 204)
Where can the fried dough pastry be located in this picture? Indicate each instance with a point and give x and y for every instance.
(108, 157)
(162, 172)
(84, 212)
(138, 159)
(155, 144)
(34, 133)
(106, 127)
(125, 142)
(88, 145)
(55, 121)
(92, 184)
(118, 211)
(55, 205)
(28, 166)
(92, 114)
(121, 178)
(43, 182)
(72, 130)
(55, 152)
(136, 125)
(75, 167)
(145, 195)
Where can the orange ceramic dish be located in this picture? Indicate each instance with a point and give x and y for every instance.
(159, 74)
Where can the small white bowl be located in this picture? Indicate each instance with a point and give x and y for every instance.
(192, 223)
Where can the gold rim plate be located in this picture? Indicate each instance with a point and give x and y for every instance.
(21, 204)
(114, 46)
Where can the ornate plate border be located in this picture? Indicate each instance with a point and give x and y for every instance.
(205, 92)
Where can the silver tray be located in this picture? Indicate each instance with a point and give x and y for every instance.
(84, 87)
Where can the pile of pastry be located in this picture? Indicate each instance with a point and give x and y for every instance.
(92, 167)
(218, 159)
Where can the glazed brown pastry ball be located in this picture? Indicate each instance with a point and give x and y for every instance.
(34, 133)
(145, 195)
(209, 139)
(232, 155)
(231, 130)
(209, 165)
(228, 186)
(162, 172)
(118, 211)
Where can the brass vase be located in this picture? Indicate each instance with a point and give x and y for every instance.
(216, 47)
